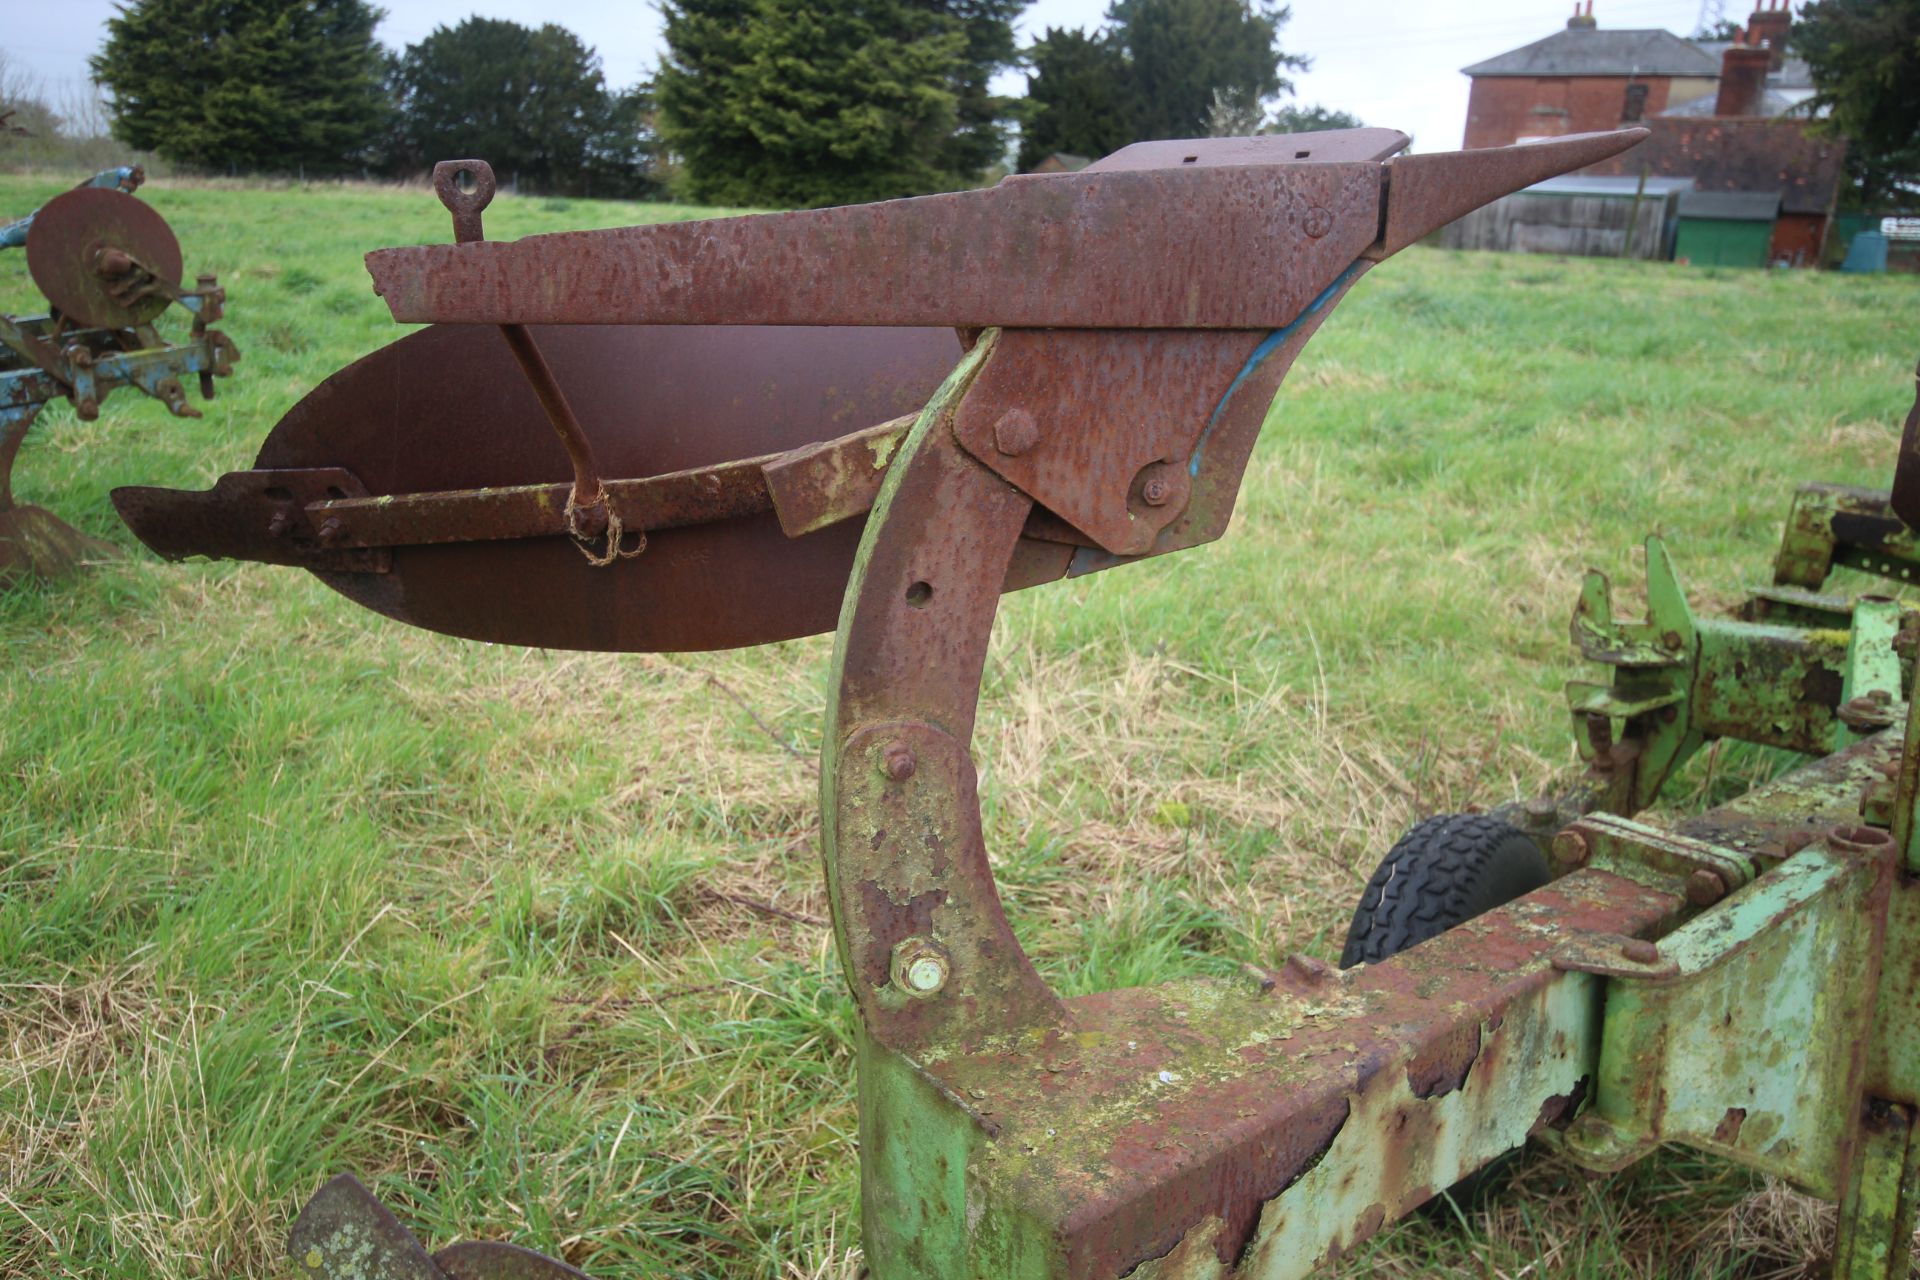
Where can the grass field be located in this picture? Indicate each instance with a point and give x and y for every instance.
(286, 888)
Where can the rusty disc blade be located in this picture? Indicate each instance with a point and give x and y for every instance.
(71, 229)
(447, 408)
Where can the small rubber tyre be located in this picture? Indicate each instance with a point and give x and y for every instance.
(1445, 871)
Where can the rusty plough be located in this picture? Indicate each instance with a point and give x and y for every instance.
(671, 438)
(108, 266)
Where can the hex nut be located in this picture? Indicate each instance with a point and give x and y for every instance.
(1704, 888)
(1572, 848)
(920, 967)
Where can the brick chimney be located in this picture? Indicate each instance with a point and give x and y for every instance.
(1769, 26)
(1584, 21)
(1743, 75)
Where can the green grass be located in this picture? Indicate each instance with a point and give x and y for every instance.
(286, 888)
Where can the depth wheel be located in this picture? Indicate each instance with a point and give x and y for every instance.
(1445, 871)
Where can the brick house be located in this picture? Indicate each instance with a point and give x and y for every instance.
(1726, 114)
(1583, 80)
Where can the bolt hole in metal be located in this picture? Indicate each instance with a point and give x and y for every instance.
(919, 594)
(464, 182)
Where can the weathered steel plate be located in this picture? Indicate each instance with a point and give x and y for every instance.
(1239, 247)
(447, 408)
(1330, 146)
(71, 228)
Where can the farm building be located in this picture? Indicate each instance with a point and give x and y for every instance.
(1577, 215)
(1726, 228)
(1726, 117)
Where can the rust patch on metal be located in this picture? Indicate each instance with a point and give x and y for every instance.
(1557, 1111)
(1442, 1067)
(890, 923)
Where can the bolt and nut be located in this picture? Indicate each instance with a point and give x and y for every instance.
(898, 761)
(1867, 711)
(1155, 492)
(920, 967)
(1572, 848)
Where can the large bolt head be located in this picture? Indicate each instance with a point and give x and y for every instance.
(1016, 432)
(920, 967)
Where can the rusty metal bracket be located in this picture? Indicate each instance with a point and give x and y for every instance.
(266, 516)
(809, 489)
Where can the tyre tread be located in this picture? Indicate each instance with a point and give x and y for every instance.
(1429, 880)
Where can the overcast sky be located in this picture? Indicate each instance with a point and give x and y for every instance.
(1394, 63)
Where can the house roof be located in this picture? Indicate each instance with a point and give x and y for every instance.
(1579, 51)
(1741, 154)
(1731, 206)
(1588, 184)
(1773, 102)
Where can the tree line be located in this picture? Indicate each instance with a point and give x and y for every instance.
(785, 103)
(756, 102)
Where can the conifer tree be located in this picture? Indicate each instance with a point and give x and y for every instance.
(254, 85)
(1159, 69)
(1077, 93)
(781, 103)
(532, 103)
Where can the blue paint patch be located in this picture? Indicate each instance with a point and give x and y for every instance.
(1270, 344)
